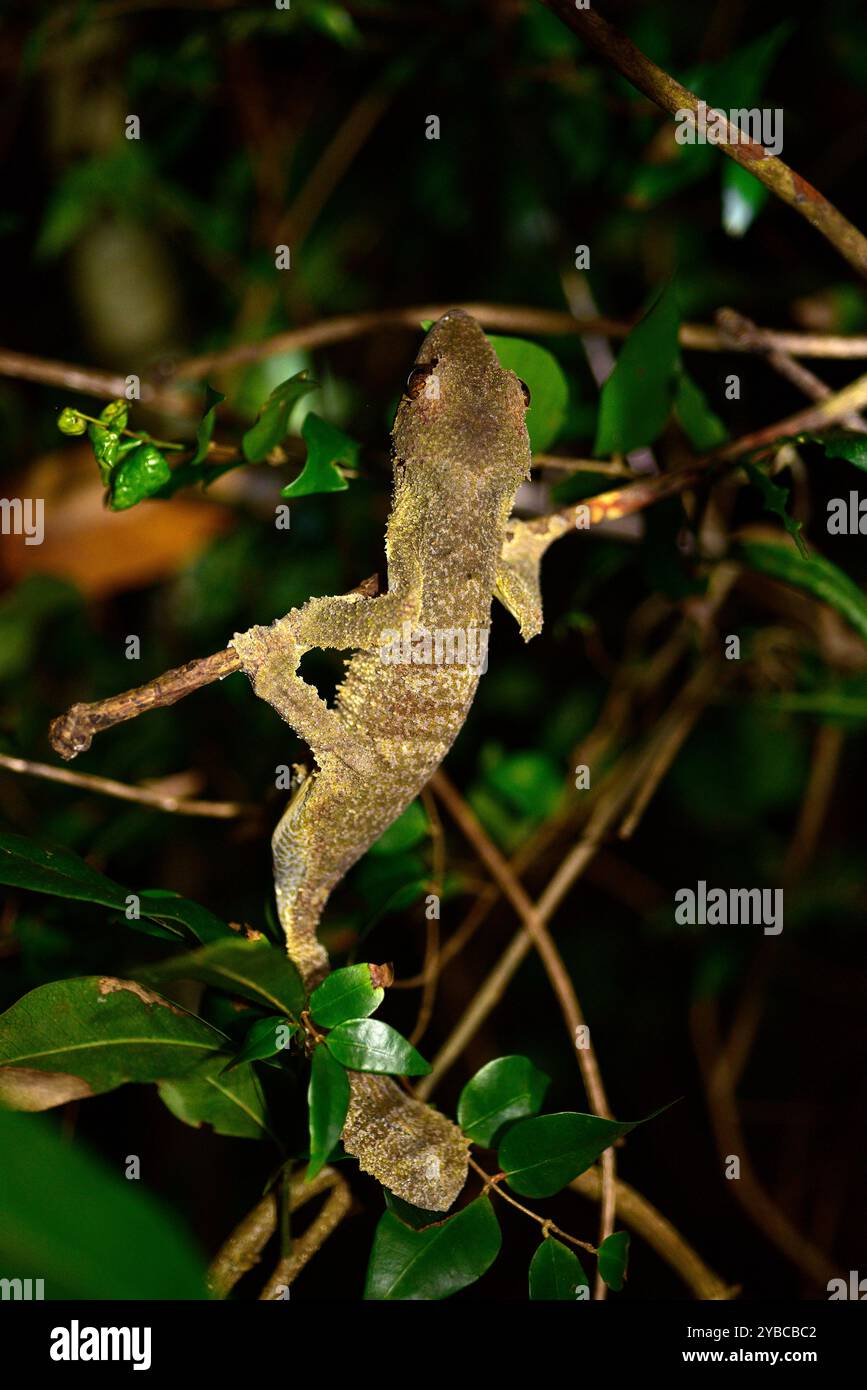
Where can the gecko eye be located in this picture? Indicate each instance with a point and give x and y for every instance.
(416, 381)
(525, 391)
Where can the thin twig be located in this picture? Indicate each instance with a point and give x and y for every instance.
(609, 805)
(304, 1247)
(742, 330)
(683, 716)
(146, 796)
(746, 1188)
(556, 971)
(243, 1248)
(515, 318)
(492, 1184)
(71, 733)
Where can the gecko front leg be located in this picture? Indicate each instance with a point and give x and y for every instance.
(270, 656)
(518, 584)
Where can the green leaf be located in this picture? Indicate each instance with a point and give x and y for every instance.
(529, 781)
(776, 499)
(70, 1219)
(54, 869)
(70, 422)
(540, 1156)
(231, 1104)
(366, 1044)
(816, 575)
(401, 897)
(344, 994)
(326, 447)
(436, 1262)
(416, 1217)
(743, 198)
(556, 1273)
(92, 1035)
(702, 427)
(636, 399)
(612, 1259)
(851, 447)
(265, 1038)
(328, 1101)
(115, 415)
(254, 969)
(549, 390)
(106, 450)
(507, 1089)
(410, 828)
(206, 424)
(734, 82)
(272, 424)
(139, 475)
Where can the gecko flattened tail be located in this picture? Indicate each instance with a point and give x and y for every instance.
(413, 1150)
(407, 1146)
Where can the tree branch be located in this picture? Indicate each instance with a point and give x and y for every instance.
(665, 91)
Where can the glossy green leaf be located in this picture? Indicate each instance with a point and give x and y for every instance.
(507, 1089)
(326, 447)
(436, 1262)
(776, 501)
(613, 1258)
(637, 398)
(54, 869)
(328, 1101)
(106, 448)
(70, 1219)
(366, 1044)
(206, 424)
(254, 969)
(70, 422)
(546, 381)
(272, 425)
(94, 1034)
(702, 427)
(265, 1038)
(556, 1274)
(115, 415)
(410, 828)
(344, 994)
(851, 447)
(140, 474)
(229, 1103)
(816, 575)
(541, 1155)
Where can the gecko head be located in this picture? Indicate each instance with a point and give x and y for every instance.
(461, 420)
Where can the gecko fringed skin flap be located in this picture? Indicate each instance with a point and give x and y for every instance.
(460, 452)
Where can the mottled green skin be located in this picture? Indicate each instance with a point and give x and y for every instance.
(460, 452)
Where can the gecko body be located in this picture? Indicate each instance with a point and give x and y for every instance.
(460, 452)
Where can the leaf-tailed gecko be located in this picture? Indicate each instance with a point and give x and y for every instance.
(460, 452)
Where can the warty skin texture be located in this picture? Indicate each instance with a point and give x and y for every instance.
(460, 452)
